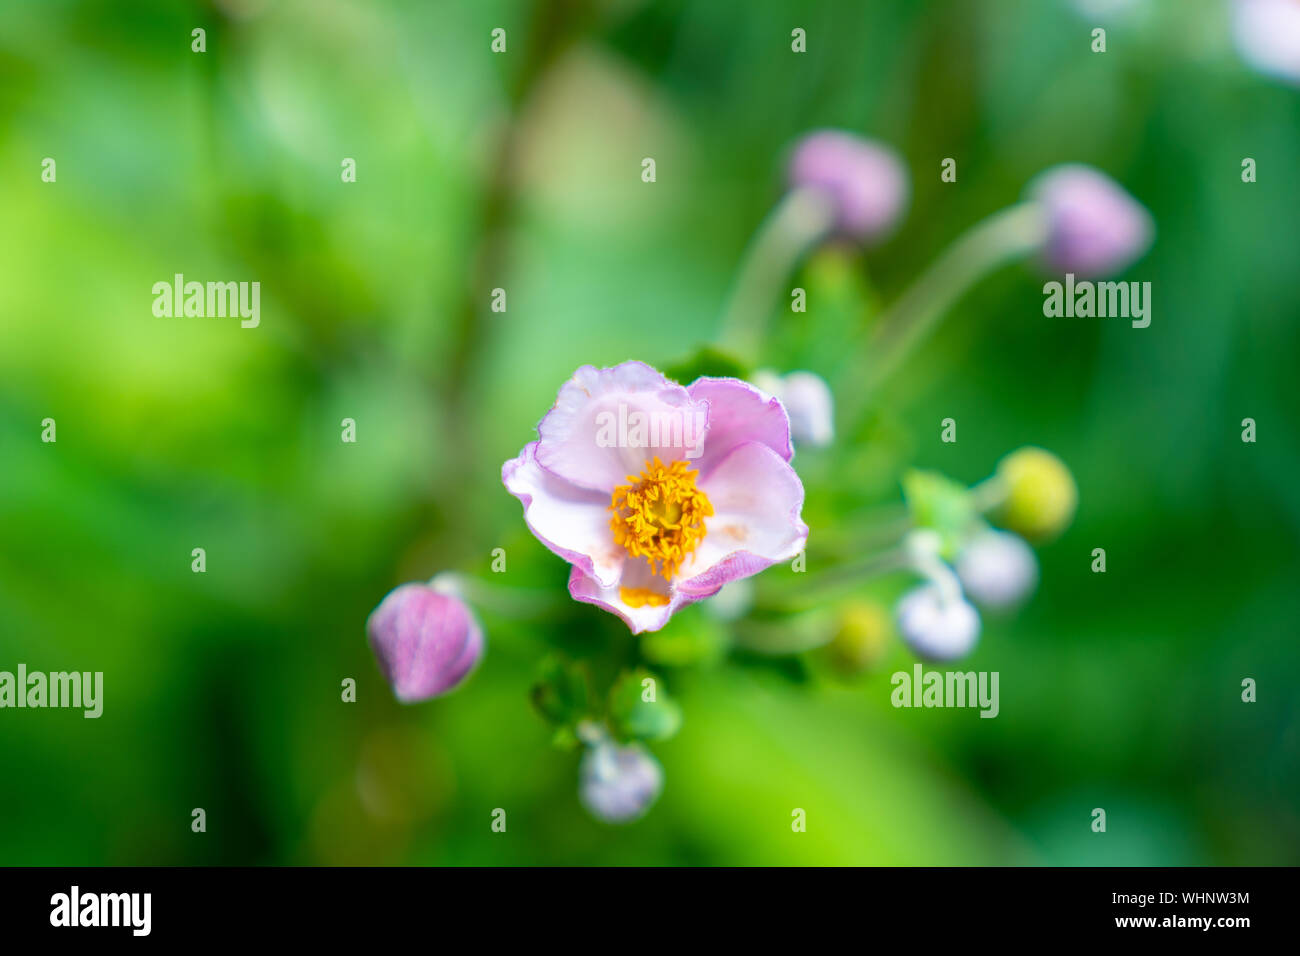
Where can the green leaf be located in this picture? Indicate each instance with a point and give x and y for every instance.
(639, 708)
(691, 638)
(562, 693)
(706, 360)
(939, 503)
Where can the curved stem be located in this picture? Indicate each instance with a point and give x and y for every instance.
(496, 598)
(1006, 235)
(989, 494)
(800, 219)
(803, 632)
(800, 595)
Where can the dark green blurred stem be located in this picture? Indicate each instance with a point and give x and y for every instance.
(792, 635)
(800, 219)
(1011, 234)
(884, 526)
(554, 26)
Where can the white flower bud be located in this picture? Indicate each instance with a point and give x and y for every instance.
(935, 628)
(619, 784)
(1267, 33)
(997, 569)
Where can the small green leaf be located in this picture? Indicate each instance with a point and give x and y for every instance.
(565, 738)
(691, 638)
(706, 360)
(562, 693)
(939, 503)
(639, 708)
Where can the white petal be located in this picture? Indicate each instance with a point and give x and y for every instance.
(573, 522)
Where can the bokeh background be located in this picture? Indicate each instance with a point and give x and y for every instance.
(522, 171)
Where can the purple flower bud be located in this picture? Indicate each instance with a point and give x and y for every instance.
(1094, 228)
(1267, 33)
(426, 641)
(619, 784)
(865, 181)
(935, 626)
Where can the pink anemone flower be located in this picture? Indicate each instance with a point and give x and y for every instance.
(658, 495)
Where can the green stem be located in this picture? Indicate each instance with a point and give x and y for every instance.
(885, 525)
(803, 217)
(815, 588)
(1010, 234)
(793, 635)
(497, 599)
(989, 494)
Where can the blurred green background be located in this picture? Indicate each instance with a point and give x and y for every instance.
(522, 171)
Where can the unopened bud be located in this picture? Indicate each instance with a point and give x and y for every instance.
(865, 181)
(619, 784)
(1267, 34)
(997, 569)
(426, 641)
(1094, 227)
(1038, 494)
(936, 627)
(861, 639)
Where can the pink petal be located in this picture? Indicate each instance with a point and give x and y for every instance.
(425, 641)
(739, 412)
(572, 431)
(573, 522)
(645, 618)
(756, 498)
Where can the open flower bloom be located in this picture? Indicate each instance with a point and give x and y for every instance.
(657, 494)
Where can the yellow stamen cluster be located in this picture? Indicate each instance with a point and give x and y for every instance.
(640, 597)
(660, 515)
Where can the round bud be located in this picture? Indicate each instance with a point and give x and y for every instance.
(619, 784)
(861, 639)
(865, 181)
(935, 627)
(426, 641)
(997, 569)
(1094, 227)
(1267, 34)
(1039, 494)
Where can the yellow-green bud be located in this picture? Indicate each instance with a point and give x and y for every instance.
(861, 639)
(1039, 494)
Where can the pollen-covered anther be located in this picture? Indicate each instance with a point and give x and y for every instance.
(660, 515)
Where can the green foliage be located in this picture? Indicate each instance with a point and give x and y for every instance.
(705, 360)
(221, 689)
(693, 638)
(640, 708)
(562, 695)
(941, 504)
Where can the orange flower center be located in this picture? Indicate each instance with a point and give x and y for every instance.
(659, 516)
